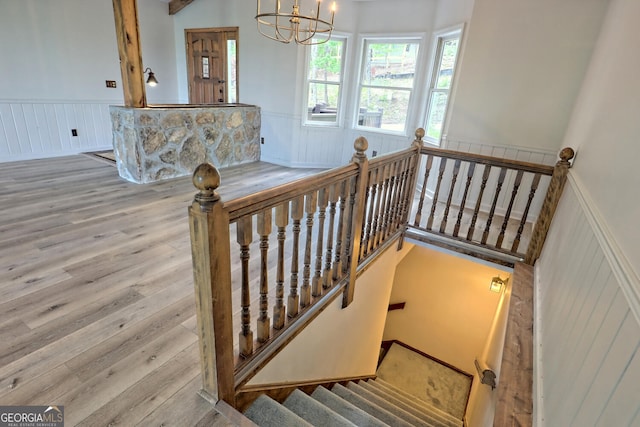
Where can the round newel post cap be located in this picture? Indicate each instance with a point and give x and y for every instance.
(566, 154)
(206, 178)
(361, 144)
(420, 134)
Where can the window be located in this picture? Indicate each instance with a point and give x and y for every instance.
(387, 80)
(325, 69)
(441, 79)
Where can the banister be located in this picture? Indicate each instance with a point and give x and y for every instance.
(488, 160)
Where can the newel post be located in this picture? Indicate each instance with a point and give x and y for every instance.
(551, 199)
(417, 145)
(209, 227)
(357, 215)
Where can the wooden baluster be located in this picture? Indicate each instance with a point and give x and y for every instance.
(485, 235)
(467, 185)
(357, 215)
(483, 185)
(311, 202)
(376, 209)
(373, 174)
(297, 212)
(427, 170)
(333, 201)
(323, 199)
(396, 196)
(282, 219)
(434, 203)
(534, 186)
(514, 192)
(388, 212)
(244, 234)
(405, 191)
(348, 254)
(341, 234)
(263, 323)
(383, 206)
(454, 178)
(551, 198)
(364, 238)
(210, 249)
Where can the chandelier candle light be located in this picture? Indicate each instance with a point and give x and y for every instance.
(307, 29)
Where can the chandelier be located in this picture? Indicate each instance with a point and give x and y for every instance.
(301, 27)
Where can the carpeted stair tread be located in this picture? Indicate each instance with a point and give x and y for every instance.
(370, 407)
(416, 410)
(346, 409)
(389, 406)
(266, 412)
(313, 411)
(416, 401)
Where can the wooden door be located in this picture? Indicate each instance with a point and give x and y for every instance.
(207, 60)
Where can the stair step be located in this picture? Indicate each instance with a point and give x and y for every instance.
(389, 406)
(266, 412)
(417, 402)
(421, 412)
(370, 407)
(313, 411)
(346, 409)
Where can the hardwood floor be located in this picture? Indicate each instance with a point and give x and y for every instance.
(96, 295)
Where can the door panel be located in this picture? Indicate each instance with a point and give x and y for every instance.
(207, 64)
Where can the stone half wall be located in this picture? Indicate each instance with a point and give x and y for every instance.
(151, 144)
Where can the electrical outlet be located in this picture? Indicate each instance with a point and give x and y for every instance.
(74, 132)
(374, 153)
(262, 140)
(111, 83)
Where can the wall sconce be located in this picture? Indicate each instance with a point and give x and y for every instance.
(151, 80)
(497, 284)
(487, 376)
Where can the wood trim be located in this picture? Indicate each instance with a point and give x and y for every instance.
(515, 385)
(125, 14)
(176, 6)
(280, 391)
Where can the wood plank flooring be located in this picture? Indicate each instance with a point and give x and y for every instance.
(96, 295)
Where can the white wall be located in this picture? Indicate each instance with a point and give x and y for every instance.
(56, 58)
(523, 65)
(340, 343)
(588, 296)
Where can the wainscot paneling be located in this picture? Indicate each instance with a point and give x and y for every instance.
(30, 130)
(587, 335)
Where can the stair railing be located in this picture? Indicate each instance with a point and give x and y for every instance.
(314, 235)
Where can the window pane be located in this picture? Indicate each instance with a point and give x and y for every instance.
(323, 102)
(390, 64)
(437, 108)
(325, 62)
(447, 62)
(383, 108)
(232, 72)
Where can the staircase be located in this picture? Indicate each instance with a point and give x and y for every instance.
(366, 403)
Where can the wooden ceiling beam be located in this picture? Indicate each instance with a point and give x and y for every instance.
(176, 6)
(125, 13)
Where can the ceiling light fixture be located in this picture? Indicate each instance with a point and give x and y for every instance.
(285, 27)
(151, 80)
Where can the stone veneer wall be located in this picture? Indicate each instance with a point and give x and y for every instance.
(151, 144)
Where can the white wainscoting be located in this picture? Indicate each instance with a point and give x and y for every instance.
(34, 129)
(587, 322)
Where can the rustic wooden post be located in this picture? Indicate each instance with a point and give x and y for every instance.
(209, 226)
(125, 14)
(551, 199)
(357, 217)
